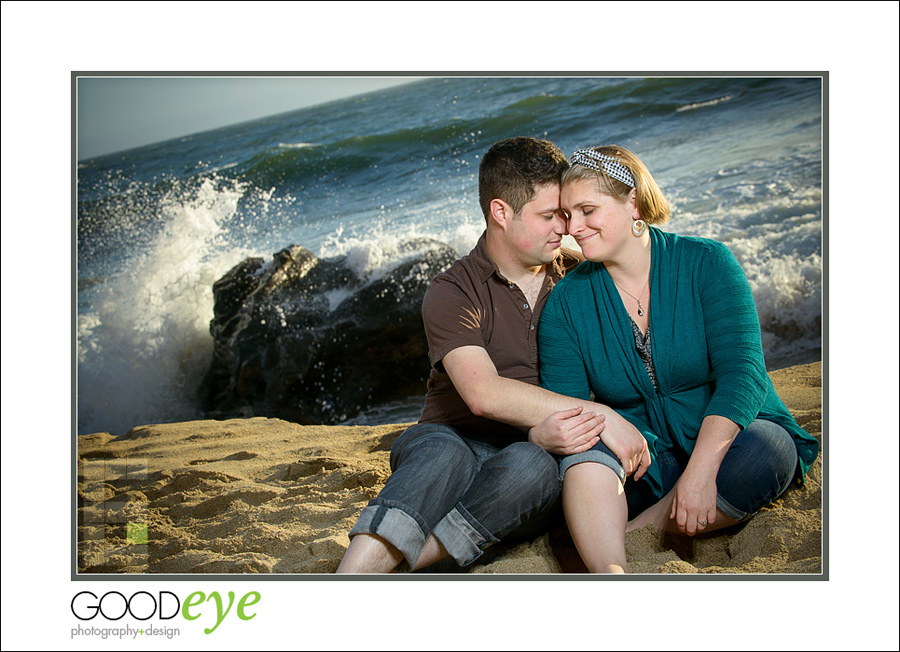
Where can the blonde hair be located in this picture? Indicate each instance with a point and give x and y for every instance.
(651, 203)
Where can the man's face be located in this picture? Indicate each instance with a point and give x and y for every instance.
(536, 233)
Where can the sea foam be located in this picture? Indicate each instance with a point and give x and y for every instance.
(144, 347)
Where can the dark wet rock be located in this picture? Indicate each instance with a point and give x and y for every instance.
(307, 340)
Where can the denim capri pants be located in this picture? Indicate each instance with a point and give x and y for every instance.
(758, 468)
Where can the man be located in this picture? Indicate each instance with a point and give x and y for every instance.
(467, 475)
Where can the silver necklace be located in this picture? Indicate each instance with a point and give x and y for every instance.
(638, 299)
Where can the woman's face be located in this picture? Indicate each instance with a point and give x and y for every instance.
(599, 222)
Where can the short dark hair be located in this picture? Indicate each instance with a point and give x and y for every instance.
(512, 168)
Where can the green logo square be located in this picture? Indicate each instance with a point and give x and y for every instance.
(136, 534)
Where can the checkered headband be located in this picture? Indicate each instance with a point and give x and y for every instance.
(603, 163)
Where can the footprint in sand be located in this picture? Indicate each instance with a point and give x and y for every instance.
(198, 478)
(305, 468)
(334, 474)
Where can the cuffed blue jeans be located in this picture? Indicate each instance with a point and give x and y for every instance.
(758, 468)
(468, 493)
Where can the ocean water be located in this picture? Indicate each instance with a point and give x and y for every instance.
(740, 160)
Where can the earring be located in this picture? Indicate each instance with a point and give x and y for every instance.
(638, 227)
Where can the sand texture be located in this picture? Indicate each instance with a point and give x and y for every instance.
(267, 496)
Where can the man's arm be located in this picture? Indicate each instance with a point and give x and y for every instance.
(523, 405)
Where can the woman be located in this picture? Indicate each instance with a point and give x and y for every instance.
(664, 330)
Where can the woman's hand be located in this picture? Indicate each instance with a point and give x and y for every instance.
(568, 432)
(627, 442)
(694, 501)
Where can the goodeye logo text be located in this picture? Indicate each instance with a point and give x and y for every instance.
(165, 605)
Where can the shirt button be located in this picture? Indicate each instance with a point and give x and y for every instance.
(525, 306)
(532, 327)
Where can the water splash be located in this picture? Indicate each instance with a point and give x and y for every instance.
(143, 349)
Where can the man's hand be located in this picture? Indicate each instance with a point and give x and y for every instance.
(627, 443)
(568, 432)
(519, 404)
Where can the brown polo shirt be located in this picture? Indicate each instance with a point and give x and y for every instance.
(471, 304)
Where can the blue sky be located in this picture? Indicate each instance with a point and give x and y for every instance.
(118, 113)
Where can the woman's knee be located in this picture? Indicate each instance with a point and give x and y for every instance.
(772, 447)
(758, 468)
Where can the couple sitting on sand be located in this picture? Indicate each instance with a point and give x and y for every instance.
(671, 420)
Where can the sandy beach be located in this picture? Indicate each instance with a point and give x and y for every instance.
(268, 496)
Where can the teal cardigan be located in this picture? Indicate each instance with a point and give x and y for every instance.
(705, 338)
